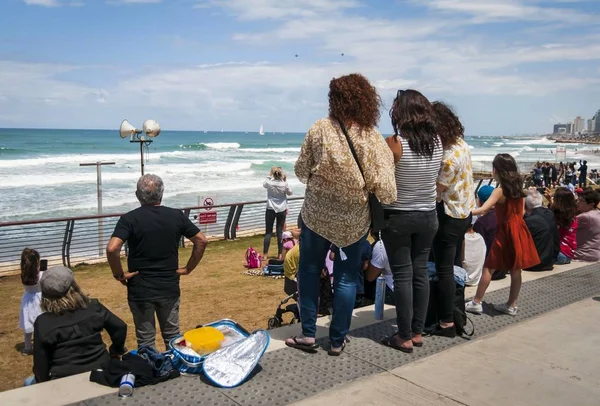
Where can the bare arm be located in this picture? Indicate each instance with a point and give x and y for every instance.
(496, 197)
(372, 272)
(396, 147)
(113, 254)
(200, 242)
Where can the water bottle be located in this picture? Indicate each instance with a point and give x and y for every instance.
(379, 297)
(126, 385)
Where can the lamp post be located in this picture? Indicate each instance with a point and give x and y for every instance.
(144, 137)
(98, 166)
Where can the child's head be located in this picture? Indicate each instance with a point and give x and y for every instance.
(30, 267)
(507, 175)
(483, 194)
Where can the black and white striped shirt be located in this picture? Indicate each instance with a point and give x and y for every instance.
(416, 177)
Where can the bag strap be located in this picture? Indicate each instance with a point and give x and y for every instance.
(352, 150)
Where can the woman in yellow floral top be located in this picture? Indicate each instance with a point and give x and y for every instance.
(336, 209)
(456, 197)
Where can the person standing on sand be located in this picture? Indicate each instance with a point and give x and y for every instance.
(411, 220)
(153, 233)
(336, 205)
(513, 247)
(277, 206)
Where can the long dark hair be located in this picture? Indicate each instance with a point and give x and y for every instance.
(448, 125)
(30, 267)
(564, 207)
(413, 119)
(507, 174)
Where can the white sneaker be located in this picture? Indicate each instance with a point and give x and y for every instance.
(503, 308)
(473, 307)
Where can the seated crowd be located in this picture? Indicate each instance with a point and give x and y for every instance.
(441, 224)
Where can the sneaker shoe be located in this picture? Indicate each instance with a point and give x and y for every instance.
(503, 308)
(473, 307)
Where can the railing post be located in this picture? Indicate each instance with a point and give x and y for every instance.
(227, 230)
(236, 220)
(66, 248)
(186, 212)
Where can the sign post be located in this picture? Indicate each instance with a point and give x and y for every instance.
(98, 166)
(209, 217)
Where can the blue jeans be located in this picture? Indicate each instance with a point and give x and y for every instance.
(562, 259)
(313, 249)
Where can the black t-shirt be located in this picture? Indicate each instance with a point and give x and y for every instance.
(153, 234)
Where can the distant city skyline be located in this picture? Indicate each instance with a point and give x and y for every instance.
(579, 125)
(506, 66)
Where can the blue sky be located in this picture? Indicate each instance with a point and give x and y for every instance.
(507, 66)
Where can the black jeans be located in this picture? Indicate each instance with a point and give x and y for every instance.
(270, 218)
(407, 239)
(447, 242)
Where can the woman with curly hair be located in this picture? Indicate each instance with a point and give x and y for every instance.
(343, 159)
(411, 220)
(456, 197)
(564, 207)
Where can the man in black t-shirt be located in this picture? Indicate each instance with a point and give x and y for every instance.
(153, 233)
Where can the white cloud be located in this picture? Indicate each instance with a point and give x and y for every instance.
(133, 1)
(44, 3)
(277, 9)
(493, 10)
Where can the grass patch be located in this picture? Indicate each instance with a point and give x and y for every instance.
(215, 290)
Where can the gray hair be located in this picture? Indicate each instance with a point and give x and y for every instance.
(150, 190)
(533, 200)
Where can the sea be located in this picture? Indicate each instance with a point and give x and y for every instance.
(41, 176)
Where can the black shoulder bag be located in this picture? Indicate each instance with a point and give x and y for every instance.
(375, 207)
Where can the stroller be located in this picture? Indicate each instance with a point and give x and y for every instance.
(325, 304)
(283, 308)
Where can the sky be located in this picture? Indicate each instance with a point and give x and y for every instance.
(506, 66)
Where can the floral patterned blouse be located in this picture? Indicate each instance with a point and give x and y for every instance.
(456, 173)
(336, 200)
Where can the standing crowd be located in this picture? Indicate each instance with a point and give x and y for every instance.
(412, 191)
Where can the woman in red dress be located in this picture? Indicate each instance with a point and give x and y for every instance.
(513, 246)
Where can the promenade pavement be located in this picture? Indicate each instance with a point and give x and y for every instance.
(530, 357)
(549, 360)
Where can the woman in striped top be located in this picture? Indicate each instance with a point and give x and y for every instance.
(411, 221)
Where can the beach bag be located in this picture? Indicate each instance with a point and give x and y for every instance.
(375, 206)
(252, 259)
(273, 270)
(233, 363)
(461, 321)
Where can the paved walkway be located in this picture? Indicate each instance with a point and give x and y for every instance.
(549, 360)
(368, 369)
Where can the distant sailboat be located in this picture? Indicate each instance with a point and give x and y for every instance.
(261, 131)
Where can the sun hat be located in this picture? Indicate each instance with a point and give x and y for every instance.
(484, 193)
(56, 282)
(287, 235)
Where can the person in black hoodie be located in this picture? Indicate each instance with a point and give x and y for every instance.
(542, 226)
(67, 336)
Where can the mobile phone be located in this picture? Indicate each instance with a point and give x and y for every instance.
(43, 265)
(541, 190)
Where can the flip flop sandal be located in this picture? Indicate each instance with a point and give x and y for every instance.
(336, 353)
(391, 342)
(301, 346)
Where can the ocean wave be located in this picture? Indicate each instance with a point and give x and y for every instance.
(534, 141)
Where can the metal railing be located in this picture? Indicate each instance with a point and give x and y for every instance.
(72, 241)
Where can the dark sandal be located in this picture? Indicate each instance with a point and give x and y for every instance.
(391, 342)
(417, 344)
(303, 347)
(337, 353)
